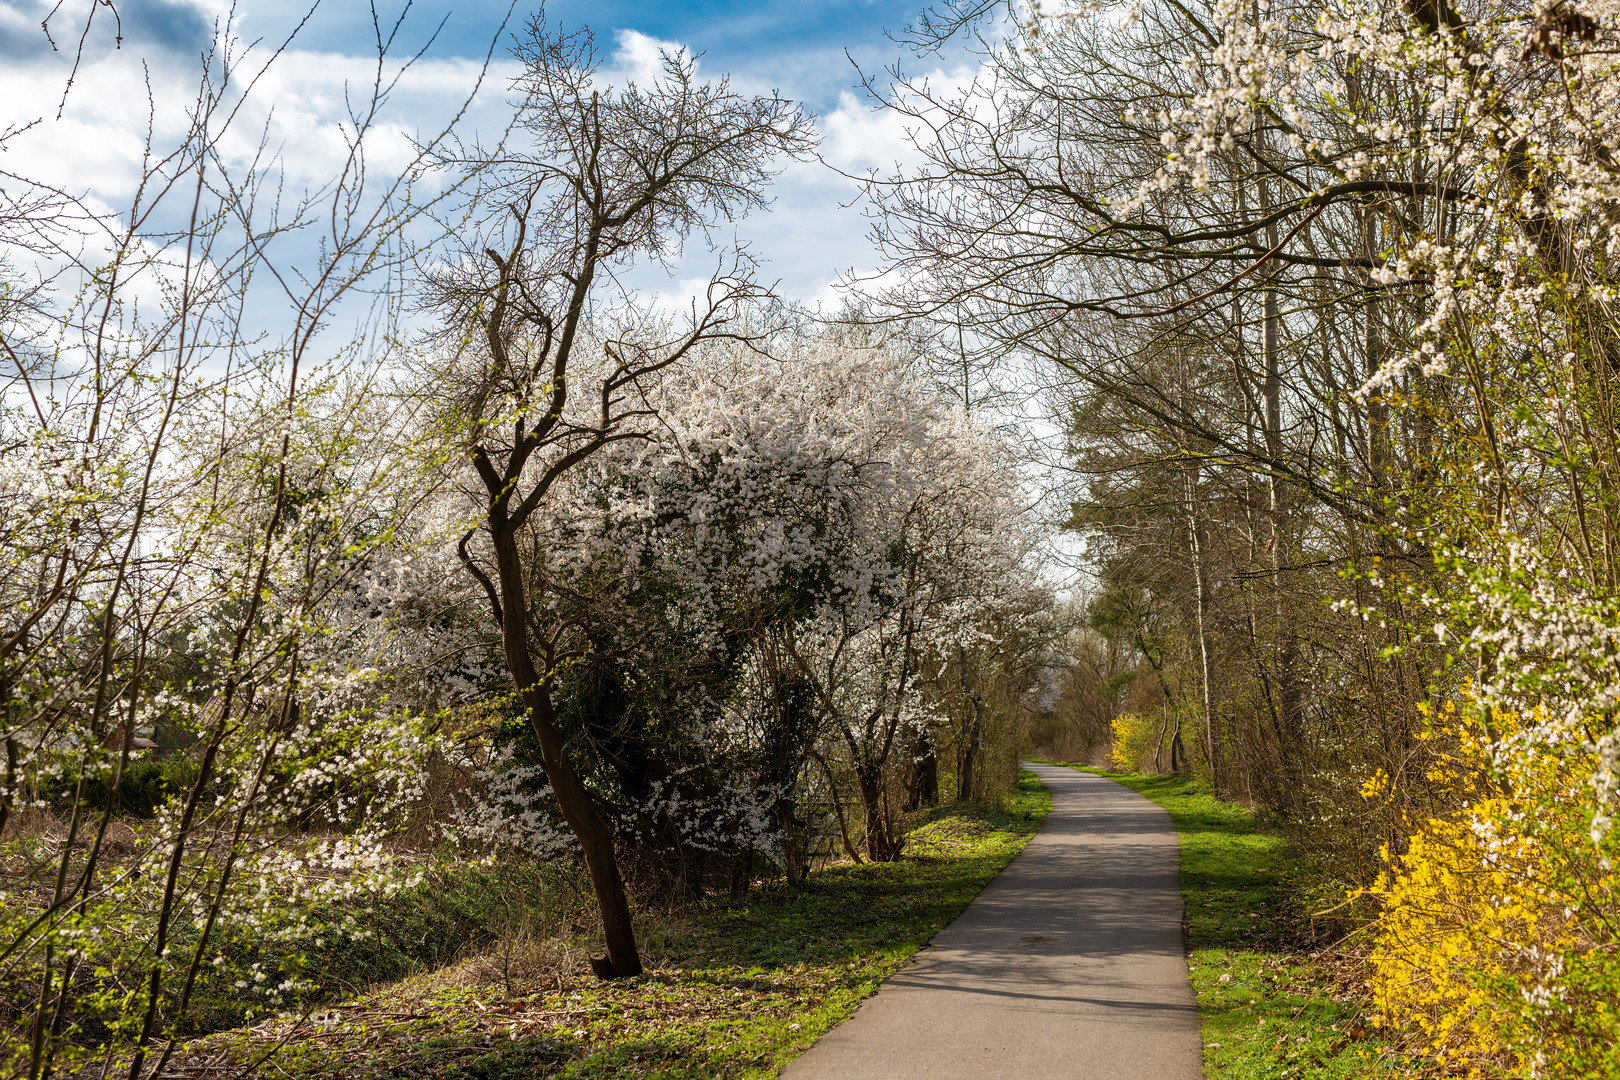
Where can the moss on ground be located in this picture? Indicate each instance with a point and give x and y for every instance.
(735, 989)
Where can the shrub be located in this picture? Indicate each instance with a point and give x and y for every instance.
(1133, 743)
(1497, 941)
(144, 787)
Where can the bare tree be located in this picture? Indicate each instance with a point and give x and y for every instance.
(608, 176)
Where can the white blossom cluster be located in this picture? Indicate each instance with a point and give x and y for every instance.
(814, 514)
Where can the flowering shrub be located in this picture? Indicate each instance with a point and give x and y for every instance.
(1132, 748)
(1497, 942)
(812, 554)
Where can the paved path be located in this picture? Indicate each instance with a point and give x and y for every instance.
(1069, 964)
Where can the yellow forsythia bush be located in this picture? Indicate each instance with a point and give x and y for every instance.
(1132, 743)
(1497, 941)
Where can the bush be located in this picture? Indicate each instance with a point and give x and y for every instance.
(1133, 743)
(1497, 942)
(144, 787)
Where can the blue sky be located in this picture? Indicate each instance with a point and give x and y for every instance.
(809, 239)
(802, 43)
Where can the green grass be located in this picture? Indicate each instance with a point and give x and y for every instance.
(736, 989)
(1273, 1005)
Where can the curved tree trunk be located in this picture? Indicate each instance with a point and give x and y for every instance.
(590, 826)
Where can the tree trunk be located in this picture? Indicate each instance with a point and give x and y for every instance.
(880, 844)
(1290, 696)
(1212, 745)
(795, 851)
(968, 752)
(924, 787)
(1372, 358)
(590, 826)
(970, 755)
(742, 874)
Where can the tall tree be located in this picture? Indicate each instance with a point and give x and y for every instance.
(593, 179)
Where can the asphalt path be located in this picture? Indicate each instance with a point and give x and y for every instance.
(1069, 964)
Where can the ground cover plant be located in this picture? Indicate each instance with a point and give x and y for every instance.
(1275, 1001)
(733, 987)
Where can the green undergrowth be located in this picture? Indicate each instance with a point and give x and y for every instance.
(453, 913)
(331, 951)
(734, 988)
(1274, 1003)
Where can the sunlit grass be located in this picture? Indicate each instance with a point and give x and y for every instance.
(1272, 1006)
(739, 988)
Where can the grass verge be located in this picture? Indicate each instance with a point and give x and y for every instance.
(1274, 1005)
(735, 989)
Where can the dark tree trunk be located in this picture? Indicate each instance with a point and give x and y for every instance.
(880, 842)
(1290, 693)
(967, 751)
(795, 853)
(595, 836)
(742, 874)
(924, 787)
(579, 807)
(970, 756)
(787, 745)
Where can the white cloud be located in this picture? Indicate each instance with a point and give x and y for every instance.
(813, 233)
(640, 58)
(297, 114)
(859, 136)
(17, 27)
(299, 107)
(681, 296)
